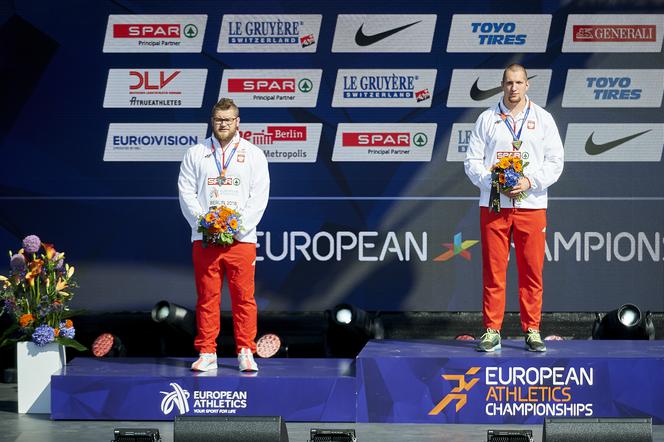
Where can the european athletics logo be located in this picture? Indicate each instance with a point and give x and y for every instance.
(459, 247)
(176, 398)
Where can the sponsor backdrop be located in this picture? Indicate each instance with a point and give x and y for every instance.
(364, 110)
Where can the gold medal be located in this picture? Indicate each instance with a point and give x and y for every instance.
(517, 144)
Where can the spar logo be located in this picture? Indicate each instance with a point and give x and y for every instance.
(380, 142)
(155, 33)
(177, 398)
(457, 394)
(269, 33)
(154, 30)
(623, 33)
(458, 247)
(277, 88)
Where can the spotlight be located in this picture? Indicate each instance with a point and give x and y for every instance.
(109, 345)
(270, 345)
(349, 329)
(464, 337)
(554, 338)
(325, 435)
(176, 316)
(627, 322)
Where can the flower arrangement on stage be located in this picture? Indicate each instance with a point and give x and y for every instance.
(36, 294)
(219, 226)
(505, 175)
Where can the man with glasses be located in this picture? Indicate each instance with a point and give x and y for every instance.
(225, 170)
(514, 128)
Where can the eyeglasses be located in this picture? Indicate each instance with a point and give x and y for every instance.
(223, 121)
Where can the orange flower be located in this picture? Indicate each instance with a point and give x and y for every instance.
(504, 163)
(69, 323)
(34, 269)
(25, 320)
(233, 224)
(57, 331)
(501, 178)
(50, 250)
(518, 167)
(210, 217)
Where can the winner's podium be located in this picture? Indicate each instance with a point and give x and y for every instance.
(449, 382)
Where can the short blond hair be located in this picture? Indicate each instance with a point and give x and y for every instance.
(514, 67)
(225, 104)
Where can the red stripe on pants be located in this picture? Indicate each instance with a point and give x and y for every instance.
(527, 228)
(211, 264)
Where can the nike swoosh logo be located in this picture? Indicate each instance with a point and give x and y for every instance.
(596, 149)
(363, 39)
(478, 94)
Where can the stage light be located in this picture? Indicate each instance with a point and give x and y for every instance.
(349, 329)
(627, 322)
(178, 317)
(141, 434)
(109, 345)
(464, 337)
(325, 435)
(271, 345)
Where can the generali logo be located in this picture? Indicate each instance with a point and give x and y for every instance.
(381, 142)
(285, 142)
(155, 33)
(271, 88)
(613, 33)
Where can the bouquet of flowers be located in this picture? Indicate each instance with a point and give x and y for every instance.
(219, 226)
(36, 294)
(505, 175)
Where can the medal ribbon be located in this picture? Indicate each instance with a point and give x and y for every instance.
(223, 165)
(515, 135)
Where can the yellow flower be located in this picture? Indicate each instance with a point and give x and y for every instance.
(70, 272)
(61, 284)
(50, 250)
(233, 224)
(210, 217)
(517, 166)
(504, 163)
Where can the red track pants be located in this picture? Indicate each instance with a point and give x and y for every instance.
(238, 263)
(527, 227)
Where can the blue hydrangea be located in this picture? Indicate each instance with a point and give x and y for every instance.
(31, 244)
(43, 335)
(511, 178)
(67, 332)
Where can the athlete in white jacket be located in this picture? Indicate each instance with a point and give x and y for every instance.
(225, 170)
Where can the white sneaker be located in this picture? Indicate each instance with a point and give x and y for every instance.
(246, 360)
(205, 362)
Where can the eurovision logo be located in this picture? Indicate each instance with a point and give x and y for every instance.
(384, 88)
(151, 141)
(383, 142)
(481, 87)
(613, 33)
(499, 33)
(613, 88)
(638, 142)
(269, 33)
(155, 88)
(384, 33)
(285, 142)
(155, 33)
(271, 88)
